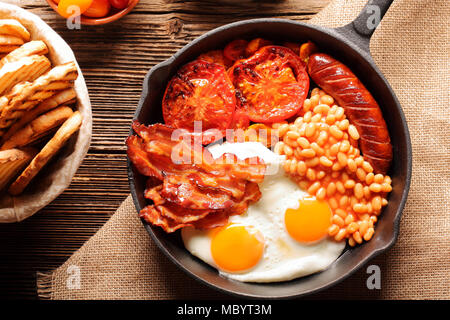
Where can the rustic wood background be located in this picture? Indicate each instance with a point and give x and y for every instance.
(114, 59)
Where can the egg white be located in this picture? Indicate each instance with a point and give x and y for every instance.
(284, 258)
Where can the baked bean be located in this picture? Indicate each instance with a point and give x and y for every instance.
(314, 100)
(293, 167)
(310, 130)
(353, 132)
(369, 178)
(283, 129)
(321, 174)
(342, 158)
(341, 213)
(333, 203)
(349, 184)
(288, 150)
(327, 99)
(340, 187)
(315, 91)
(351, 165)
(289, 142)
(278, 149)
(314, 187)
(385, 187)
(322, 139)
(361, 174)
(351, 242)
(359, 208)
(311, 174)
(301, 167)
(367, 167)
(303, 184)
(317, 117)
(378, 178)
(353, 201)
(375, 187)
(369, 233)
(312, 162)
(330, 119)
(337, 220)
(357, 237)
(321, 109)
(376, 203)
(319, 151)
(352, 227)
(321, 193)
(302, 129)
(298, 122)
(340, 235)
(331, 189)
(292, 135)
(359, 191)
(333, 230)
(307, 153)
(359, 161)
(343, 201)
(349, 219)
(325, 161)
(363, 226)
(339, 113)
(343, 124)
(367, 192)
(306, 105)
(336, 132)
(303, 142)
(307, 117)
(334, 149)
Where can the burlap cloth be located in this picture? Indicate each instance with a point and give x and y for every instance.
(411, 47)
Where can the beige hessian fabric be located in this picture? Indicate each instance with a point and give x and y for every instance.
(411, 47)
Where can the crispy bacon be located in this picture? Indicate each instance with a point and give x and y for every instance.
(188, 186)
(172, 217)
(184, 192)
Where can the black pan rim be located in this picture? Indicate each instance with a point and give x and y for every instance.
(352, 46)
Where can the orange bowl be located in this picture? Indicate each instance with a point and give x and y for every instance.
(104, 20)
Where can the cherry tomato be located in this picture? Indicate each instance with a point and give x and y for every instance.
(306, 50)
(235, 50)
(255, 45)
(98, 9)
(200, 91)
(119, 4)
(271, 85)
(66, 7)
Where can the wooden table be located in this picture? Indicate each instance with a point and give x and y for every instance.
(114, 60)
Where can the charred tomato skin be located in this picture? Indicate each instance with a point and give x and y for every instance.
(271, 85)
(200, 91)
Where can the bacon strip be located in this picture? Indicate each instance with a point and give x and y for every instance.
(192, 187)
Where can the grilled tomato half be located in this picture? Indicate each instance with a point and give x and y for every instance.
(200, 91)
(271, 85)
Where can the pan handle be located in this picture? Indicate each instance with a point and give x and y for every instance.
(361, 29)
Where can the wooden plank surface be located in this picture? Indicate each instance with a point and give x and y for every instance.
(114, 60)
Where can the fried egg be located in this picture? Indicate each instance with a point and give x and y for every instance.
(281, 237)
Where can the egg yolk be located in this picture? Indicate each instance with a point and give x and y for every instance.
(310, 222)
(237, 248)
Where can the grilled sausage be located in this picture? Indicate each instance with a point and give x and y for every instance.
(360, 108)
